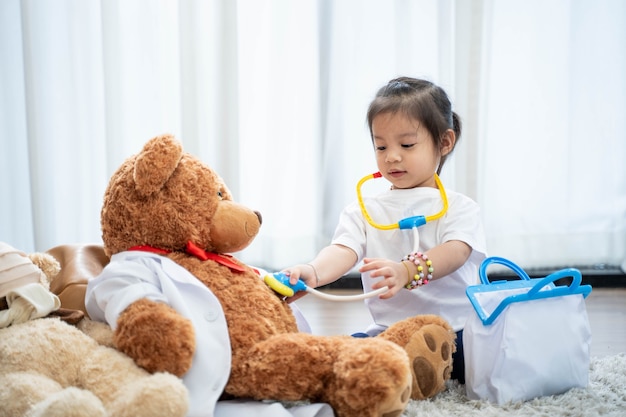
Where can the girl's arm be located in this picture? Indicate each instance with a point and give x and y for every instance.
(446, 258)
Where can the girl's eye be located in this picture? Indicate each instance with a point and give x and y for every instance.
(381, 148)
(408, 145)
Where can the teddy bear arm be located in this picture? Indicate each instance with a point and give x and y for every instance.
(156, 337)
(32, 394)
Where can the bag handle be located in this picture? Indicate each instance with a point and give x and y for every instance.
(502, 261)
(574, 287)
(542, 288)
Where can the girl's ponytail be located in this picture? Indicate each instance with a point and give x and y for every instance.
(456, 125)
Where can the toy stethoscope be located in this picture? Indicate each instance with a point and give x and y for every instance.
(279, 281)
(412, 222)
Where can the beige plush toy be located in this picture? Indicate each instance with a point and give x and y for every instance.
(180, 303)
(49, 368)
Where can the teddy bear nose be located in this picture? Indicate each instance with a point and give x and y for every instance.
(258, 214)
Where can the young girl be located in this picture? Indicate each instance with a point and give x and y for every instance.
(413, 130)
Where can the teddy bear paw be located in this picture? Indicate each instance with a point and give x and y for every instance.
(70, 402)
(373, 379)
(430, 353)
(395, 405)
(389, 400)
(157, 395)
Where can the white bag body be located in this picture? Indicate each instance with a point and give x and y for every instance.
(528, 339)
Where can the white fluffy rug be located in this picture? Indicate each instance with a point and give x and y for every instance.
(605, 396)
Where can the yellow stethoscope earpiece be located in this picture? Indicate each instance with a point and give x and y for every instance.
(409, 222)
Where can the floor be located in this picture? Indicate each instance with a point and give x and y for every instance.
(606, 308)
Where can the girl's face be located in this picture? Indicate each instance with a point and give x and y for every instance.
(405, 151)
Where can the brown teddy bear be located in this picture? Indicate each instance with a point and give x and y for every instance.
(179, 303)
(49, 368)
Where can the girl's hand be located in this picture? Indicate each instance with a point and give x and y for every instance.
(395, 275)
(303, 272)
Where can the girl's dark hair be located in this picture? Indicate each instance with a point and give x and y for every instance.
(421, 100)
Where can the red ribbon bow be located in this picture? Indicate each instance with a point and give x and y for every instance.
(192, 249)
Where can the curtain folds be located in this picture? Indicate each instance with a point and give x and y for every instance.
(553, 178)
(273, 95)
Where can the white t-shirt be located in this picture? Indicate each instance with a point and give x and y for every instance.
(445, 296)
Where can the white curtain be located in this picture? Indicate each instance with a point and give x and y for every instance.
(273, 93)
(552, 176)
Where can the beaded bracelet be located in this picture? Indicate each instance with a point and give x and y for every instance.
(420, 278)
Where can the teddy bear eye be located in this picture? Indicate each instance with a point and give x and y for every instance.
(219, 194)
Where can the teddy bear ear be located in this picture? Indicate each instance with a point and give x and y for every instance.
(48, 264)
(156, 163)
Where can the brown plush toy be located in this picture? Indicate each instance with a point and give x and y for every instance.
(179, 303)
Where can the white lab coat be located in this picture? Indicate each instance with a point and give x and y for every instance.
(134, 275)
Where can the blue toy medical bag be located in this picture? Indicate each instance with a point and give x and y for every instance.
(529, 337)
